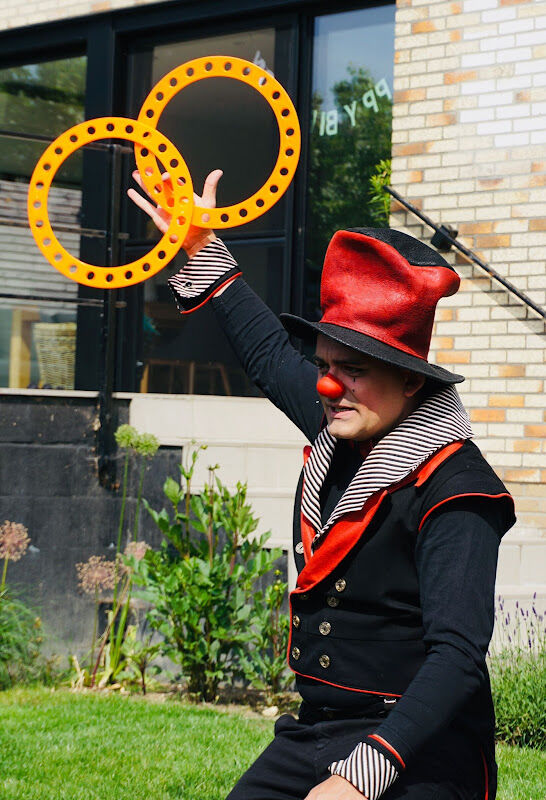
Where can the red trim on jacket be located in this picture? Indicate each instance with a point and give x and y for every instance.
(388, 747)
(425, 470)
(347, 531)
(341, 538)
(457, 496)
(206, 300)
(486, 771)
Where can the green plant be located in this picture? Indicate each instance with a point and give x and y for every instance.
(518, 676)
(98, 575)
(265, 663)
(380, 200)
(20, 643)
(202, 582)
(139, 656)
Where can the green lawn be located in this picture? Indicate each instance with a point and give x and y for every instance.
(64, 746)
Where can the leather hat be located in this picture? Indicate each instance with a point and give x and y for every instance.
(379, 290)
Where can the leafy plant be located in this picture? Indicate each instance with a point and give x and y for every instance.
(265, 664)
(202, 582)
(20, 643)
(380, 200)
(518, 676)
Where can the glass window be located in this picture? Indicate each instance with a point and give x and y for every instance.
(215, 123)
(353, 57)
(37, 339)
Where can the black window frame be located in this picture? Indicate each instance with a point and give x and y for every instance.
(107, 40)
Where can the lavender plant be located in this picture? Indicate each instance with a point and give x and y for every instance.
(517, 665)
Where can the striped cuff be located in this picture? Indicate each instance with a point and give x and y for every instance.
(367, 769)
(202, 276)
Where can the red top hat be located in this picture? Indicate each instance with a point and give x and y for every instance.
(379, 291)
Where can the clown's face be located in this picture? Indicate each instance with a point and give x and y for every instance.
(375, 397)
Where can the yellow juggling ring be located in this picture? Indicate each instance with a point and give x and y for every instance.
(289, 133)
(180, 202)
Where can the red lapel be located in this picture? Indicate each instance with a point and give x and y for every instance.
(348, 530)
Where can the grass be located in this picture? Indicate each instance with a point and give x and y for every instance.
(64, 746)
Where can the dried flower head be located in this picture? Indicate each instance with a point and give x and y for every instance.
(126, 436)
(146, 444)
(137, 550)
(96, 574)
(13, 540)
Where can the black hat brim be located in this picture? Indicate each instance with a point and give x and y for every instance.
(306, 330)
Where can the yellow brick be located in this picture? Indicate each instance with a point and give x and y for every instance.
(535, 430)
(476, 227)
(510, 370)
(487, 415)
(440, 120)
(493, 240)
(453, 357)
(460, 77)
(526, 446)
(506, 400)
(409, 95)
(426, 26)
(523, 475)
(444, 314)
(537, 224)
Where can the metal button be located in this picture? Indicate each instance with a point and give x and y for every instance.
(304, 596)
(333, 602)
(296, 653)
(324, 661)
(325, 628)
(188, 285)
(341, 584)
(296, 621)
(299, 548)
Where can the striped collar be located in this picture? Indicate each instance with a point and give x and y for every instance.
(439, 420)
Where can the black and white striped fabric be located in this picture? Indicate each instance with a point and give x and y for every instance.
(439, 420)
(367, 769)
(203, 273)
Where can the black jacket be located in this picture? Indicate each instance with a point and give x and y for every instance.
(416, 613)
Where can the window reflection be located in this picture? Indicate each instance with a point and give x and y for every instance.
(190, 354)
(37, 340)
(215, 123)
(353, 60)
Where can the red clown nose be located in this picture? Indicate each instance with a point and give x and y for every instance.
(330, 387)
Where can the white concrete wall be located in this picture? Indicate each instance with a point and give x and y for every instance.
(253, 441)
(250, 439)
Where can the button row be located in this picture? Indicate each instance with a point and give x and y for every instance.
(324, 627)
(324, 660)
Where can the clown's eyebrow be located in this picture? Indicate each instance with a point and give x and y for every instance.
(341, 362)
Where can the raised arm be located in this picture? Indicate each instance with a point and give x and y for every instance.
(256, 335)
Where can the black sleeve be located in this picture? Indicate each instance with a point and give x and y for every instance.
(456, 559)
(262, 345)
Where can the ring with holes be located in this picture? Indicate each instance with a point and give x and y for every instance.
(40, 183)
(289, 134)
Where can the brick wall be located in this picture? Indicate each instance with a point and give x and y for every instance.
(14, 14)
(469, 149)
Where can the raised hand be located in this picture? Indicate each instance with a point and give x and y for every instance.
(196, 238)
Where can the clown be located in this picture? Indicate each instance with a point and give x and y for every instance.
(397, 523)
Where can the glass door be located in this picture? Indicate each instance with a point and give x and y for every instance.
(350, 129)
(215, 123)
